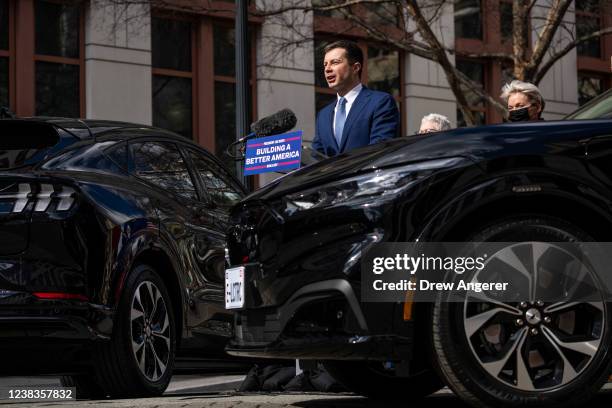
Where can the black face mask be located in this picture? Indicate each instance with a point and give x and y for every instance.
(519, 115)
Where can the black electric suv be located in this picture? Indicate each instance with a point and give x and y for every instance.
(112, 254)
(301, 238)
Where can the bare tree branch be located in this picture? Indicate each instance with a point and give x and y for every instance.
(544, 68)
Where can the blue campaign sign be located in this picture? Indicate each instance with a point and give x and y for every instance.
(273, 153)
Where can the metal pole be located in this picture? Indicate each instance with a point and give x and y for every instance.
(242, 79)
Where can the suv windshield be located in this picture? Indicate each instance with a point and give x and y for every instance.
(598, 108)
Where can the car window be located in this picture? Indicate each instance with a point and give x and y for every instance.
(118, 154)
(598, 108)
(218, 184)
(85, 158)
(162, 164)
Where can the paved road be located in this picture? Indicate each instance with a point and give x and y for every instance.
(215, 392)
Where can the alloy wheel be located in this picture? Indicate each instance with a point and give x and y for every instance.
(528, 343)
(150, 331)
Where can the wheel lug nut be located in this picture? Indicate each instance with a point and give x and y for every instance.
(539, 303)
(523, 305)
(519, 322)
(547, 319)
(534, 331)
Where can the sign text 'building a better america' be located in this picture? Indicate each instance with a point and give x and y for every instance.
(273, 153)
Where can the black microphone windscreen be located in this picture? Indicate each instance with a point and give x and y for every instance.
(280, 122)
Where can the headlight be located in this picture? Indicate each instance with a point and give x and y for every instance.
(384, 182)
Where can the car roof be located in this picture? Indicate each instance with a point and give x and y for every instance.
(85, 129)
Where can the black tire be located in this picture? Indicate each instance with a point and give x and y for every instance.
(85, 385)
(524, 381)
(370, 379)
(117, 367)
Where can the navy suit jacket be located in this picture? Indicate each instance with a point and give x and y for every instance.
(373, 117)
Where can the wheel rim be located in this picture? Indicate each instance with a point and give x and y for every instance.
(532, 345)
(150, 331)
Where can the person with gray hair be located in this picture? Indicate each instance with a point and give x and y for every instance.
(434, 122)
(524, 100)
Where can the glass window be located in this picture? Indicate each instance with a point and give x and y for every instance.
(383, 70)
(381, 14)
(468, 19)
(480, 118)
(585, 25)
(224, 50)
(474, 71)
(172, 104)
(57, 89)
(171, 44)
(591, 6)
(327, 13)
(505, 20)
(225, 120)
(4, 94)
(57, 29)
(218, 184)
(161, 164)
(588, 87)
(4, 29)
(119, 155)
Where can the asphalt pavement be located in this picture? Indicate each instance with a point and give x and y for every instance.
(217, 391)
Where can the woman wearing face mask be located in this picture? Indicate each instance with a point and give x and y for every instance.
(525, 102)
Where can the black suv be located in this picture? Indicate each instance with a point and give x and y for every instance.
(112, 254)
(300, 241)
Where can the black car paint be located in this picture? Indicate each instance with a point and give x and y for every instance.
(558, 168)
(117, 220)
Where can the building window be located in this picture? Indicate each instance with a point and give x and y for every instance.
(172, 75)
(381, 72)
(57, 59)
(505, 20)
(588, 20)
(589, 86)
(4, 53)
(476, 72)
(194, 79)
(468, 19)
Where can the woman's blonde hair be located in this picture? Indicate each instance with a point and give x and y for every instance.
(530, 90)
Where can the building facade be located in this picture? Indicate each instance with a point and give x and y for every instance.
(173, 67)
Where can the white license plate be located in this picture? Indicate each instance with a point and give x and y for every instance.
(234, 288)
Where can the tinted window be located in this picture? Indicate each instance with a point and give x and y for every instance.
(218, 184)
(172, 108)
(57, 89)
(87, 158)
(119, 155)
(161, 164)
(468, 19)
(4, 95)
(57, 29)
(171, 44)
(4, 33)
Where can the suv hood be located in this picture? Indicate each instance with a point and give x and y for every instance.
(476, 144)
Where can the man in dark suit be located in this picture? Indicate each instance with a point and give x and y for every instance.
(359, 116)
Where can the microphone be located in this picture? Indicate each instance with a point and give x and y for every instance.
(280, 122)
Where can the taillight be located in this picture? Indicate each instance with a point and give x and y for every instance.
(45, 196)
(60, 296)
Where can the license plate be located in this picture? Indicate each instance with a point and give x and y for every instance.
(234, 288)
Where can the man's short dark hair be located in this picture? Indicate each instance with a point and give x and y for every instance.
(353, 51)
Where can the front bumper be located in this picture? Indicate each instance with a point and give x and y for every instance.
(322, 320)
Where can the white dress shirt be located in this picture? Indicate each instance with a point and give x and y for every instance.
(350, 98)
